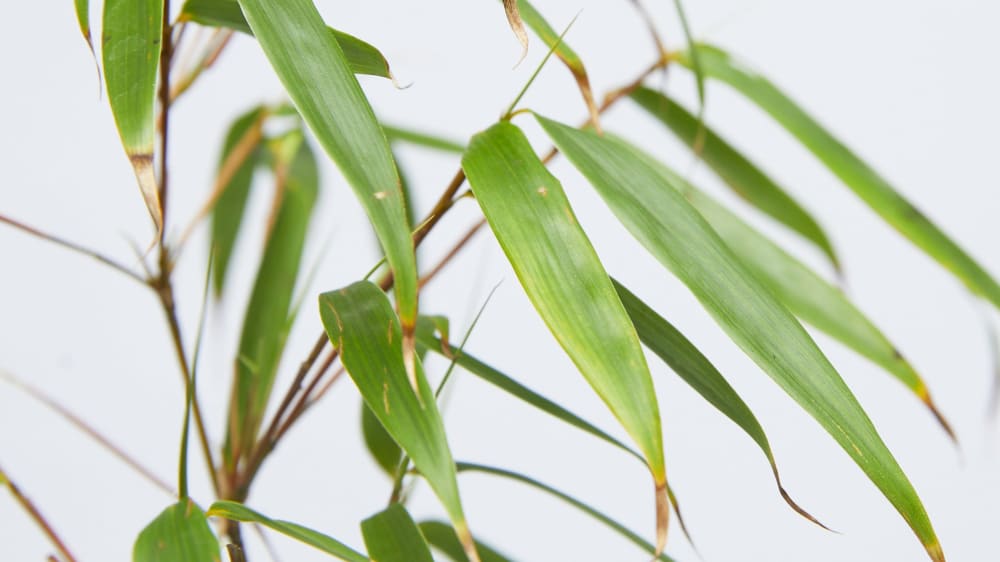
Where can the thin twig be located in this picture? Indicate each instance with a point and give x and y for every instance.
(166, 56)
(216, 45)
(36, 516)
(430, 275)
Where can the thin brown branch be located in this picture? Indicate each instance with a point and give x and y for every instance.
(36, 516)
(216, 45)
(430, 275)
(166, 56)
(442, 206)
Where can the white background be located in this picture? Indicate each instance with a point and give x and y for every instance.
(912, 86)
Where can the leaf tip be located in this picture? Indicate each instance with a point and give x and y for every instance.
(517, 26)
(142, 164)
(662, 517)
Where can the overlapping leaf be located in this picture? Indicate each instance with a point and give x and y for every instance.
(380, 444)
(872, 188)
(565, 281)
(131, 36)
(239, 512)
(361, 323)
(392, 536)
(179, 534)
(673, 231)
(739, 173)
(442, 537)
(419, 138)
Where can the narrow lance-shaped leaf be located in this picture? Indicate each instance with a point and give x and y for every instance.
(673, 231)
(517, 26)
(698, 372)
(564, 279)
(393, 536)
(419, 138)
(312, 66)
(442, 537)
(362, 57)
(179, 534)
(130, 46)
(83, 20)
(615, 526)
(866, 183)
(239, 512)
(565, 53)
(361, 324)
(265, 324)
(739, 173)
(806, 294)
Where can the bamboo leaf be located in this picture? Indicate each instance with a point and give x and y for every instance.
(312, 66)
(866, 183)
(266, 322)
(362, 57)
(517, 26)
(361, 323)
(227, 213)
(239, 512)
(380, 444)
(615, 526)
(659, 217)
(739, 173)
(179, 534)
(442, 537)
(132, 32)
(83, 20)
(564, 279)
(401, 134)
(392, 536)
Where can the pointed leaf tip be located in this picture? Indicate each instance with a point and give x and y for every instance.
(662, 518)
(517, 26)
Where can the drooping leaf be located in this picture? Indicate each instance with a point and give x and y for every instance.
(227, 213)
(565, 281)
(739, 173)
(442, 537)
(239, 512)
(179, 534)
(392, 536)
(312, 66)
(615, 526)
(866, 183)
(419, 138)
(131, 36)
(361, 324)
(362, 57)
(380, 444)
(83, 20)
(698, 372)
(673, 231)
(265, 323)
(517, 26)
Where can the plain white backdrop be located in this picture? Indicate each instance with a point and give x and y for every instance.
(912, 86)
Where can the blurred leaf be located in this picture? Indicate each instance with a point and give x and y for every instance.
(666, 224)
(179, 534)
(380, 444)
(615, 526)
(392, 536)
(741, 175)
(312, 66)
(266, 322)
(855, 173)
(361, 323)
(227, 213)
(698, 372)
(239, 512)
(565, 53)
(517, 26)
(699, 75)
(442, 537)
(131, 36)
(564, 279)
(419, 138)
(362, 57)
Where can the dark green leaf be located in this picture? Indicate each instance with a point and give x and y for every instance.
(380, 444)
(392, 536)
(442, 537)
(179, 534)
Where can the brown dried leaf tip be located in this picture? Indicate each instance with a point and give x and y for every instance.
(517, 26)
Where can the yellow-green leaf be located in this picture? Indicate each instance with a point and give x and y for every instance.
(130, 47)
(564, 279)
(179, 534)
(866, 183)
(674, 232)
(392, 536)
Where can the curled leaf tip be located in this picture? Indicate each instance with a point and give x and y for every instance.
(798, 509)
(662, 518)
(142, 164)
(942, 421)
(517, 26)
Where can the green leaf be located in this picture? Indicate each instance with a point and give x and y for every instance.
(227, 213)
(442, 537)
(615, 526)
(266, 322)
(564, 279)
(361, 323)
(312, 66)
(83, 20)
(698, 372)
(179, 534)
(239, 512)
(739, 173)
(401, 134)
(132, 32)
(362, 57)
(392, 536)
(854, 172)
(806, 294)
(380, 444)
(673, 231)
